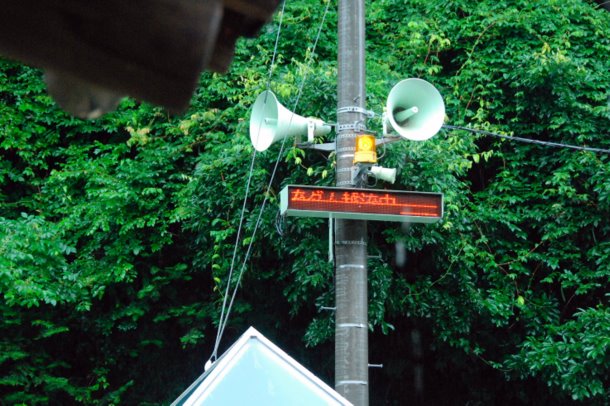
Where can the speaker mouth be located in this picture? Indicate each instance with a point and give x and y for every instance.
(264, 121)
(415, 109)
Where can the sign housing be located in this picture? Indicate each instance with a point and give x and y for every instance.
(361, 204)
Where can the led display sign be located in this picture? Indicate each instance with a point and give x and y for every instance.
(361, 204)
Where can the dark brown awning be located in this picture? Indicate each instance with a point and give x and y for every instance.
(153, 50)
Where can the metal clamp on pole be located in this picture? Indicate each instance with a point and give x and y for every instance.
(356, 109)
(356, 126)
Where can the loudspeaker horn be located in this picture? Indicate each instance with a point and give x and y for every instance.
(385, 174)
(414, 109)
(271, 122)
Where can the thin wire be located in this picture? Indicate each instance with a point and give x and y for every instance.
(280, 154)
(279, 223)
(602, 4)
(277, 41)
(528, 140)
(237, 239)
(247, 192)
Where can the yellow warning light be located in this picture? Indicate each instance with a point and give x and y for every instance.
(365, 149)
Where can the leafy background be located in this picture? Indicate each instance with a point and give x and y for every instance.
(116, 235)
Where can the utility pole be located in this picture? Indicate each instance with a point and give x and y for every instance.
(351, 290)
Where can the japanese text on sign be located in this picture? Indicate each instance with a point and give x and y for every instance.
(365, 201)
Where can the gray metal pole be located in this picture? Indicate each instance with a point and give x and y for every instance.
(351, 317)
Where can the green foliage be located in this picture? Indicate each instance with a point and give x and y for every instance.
(522, 246)
(117, 235)
(89, 221)
(572, 356)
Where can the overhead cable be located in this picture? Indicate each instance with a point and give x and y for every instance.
(528, 140)
(223, 321)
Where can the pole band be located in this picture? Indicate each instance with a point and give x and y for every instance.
(356, 109)
(351, 325)
(341, 383)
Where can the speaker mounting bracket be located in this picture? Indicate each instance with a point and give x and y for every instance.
(311, 128)
(384, 122)
(359, 173)
(387, 140)
(326, 147)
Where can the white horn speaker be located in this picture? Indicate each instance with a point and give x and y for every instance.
(385, 174)
(414, 109)
(271, 122)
